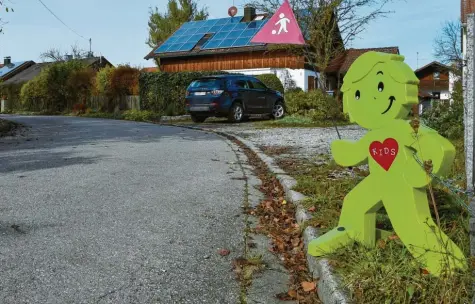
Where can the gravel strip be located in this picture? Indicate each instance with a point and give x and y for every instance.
(306, 142)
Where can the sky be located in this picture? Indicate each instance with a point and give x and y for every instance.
(119, 28)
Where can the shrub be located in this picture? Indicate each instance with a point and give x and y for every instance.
(445, 118)
(294, 90)
(103, 80)
(80, 85)
(124, 80)
(314, 104)
(53, 90)
(79, 108)
(137, 115)
(164, 92)
(12, 93)
(271, 81)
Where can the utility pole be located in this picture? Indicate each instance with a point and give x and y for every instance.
(90, 47)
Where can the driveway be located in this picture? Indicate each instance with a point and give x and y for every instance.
(104, 211)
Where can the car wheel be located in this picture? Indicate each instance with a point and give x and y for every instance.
(278, 111)
(197, 119)
(236, 113)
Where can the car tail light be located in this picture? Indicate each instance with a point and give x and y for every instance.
(217, 92)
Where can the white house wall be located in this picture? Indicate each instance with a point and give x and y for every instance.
(299, 76)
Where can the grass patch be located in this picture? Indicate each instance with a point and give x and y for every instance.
(294, 121)
(387, 273)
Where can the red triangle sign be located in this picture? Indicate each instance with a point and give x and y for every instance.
(282, 28)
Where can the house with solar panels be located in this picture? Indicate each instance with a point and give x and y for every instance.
(224, 44)
(9, 69)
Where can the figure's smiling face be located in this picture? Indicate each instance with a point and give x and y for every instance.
(376, 99)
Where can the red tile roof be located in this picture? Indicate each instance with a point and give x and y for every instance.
(343, 62)
(466, 7)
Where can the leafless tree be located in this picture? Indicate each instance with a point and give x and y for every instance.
(328, 26)
(55, 54)
(447, 45)
(7, 9)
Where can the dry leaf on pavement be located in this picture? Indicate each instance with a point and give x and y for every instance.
(224, 252)
(308, 286)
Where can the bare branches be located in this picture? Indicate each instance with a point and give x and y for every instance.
(55, 54)
(447, 45)
(328, 26)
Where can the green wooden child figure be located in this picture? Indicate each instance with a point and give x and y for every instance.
(379, 91)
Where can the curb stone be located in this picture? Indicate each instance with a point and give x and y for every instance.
(329, 286)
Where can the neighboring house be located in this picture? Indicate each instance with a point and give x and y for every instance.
(436, 83)
(338, 68)
(224, 44)
(32, 71)
(150, 69)
(9, 69)
(27, 74)
(97, 63)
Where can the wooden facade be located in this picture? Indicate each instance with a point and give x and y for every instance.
(430, 83)
(233, 61)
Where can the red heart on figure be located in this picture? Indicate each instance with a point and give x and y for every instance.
(384, 153)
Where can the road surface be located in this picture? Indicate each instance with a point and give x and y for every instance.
(104, 211)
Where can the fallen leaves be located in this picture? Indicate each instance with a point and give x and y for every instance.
(224, 252)
(308, 286)
(277, 221)
(394, 237)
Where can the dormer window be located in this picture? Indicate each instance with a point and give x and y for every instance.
(436, 75)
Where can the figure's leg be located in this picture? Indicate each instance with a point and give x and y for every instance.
(357, 220)
(408, 210)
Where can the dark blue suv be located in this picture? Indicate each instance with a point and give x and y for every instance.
(233, 96)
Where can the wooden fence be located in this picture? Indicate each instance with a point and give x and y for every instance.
(125, 102)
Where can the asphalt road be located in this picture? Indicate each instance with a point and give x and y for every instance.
(104, 211)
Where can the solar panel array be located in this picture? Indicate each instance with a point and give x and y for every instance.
(228, 32)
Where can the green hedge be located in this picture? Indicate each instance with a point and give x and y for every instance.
(445, 118)
(164, 92)
(314, 104)
(12, 92)
(271, 81)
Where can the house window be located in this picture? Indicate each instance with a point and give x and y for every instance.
(436, 75)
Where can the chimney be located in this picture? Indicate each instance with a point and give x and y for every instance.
(7, 60)
(249, 13)
(68, 57)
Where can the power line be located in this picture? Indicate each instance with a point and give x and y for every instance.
(61, 20)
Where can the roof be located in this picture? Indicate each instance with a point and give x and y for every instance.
(92, 60)
(343, 62)
(27, 74)
(224, 35)
(467, 7)
(434, 64)
(11, 68)
(34, 70)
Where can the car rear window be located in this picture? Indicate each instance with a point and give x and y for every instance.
(208, 83)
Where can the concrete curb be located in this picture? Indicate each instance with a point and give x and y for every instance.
(329, 287)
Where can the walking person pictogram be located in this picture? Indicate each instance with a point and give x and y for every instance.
(283, 24)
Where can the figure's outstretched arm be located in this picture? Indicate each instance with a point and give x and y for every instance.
(349, 153)
(429, 145)
(432, 146)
